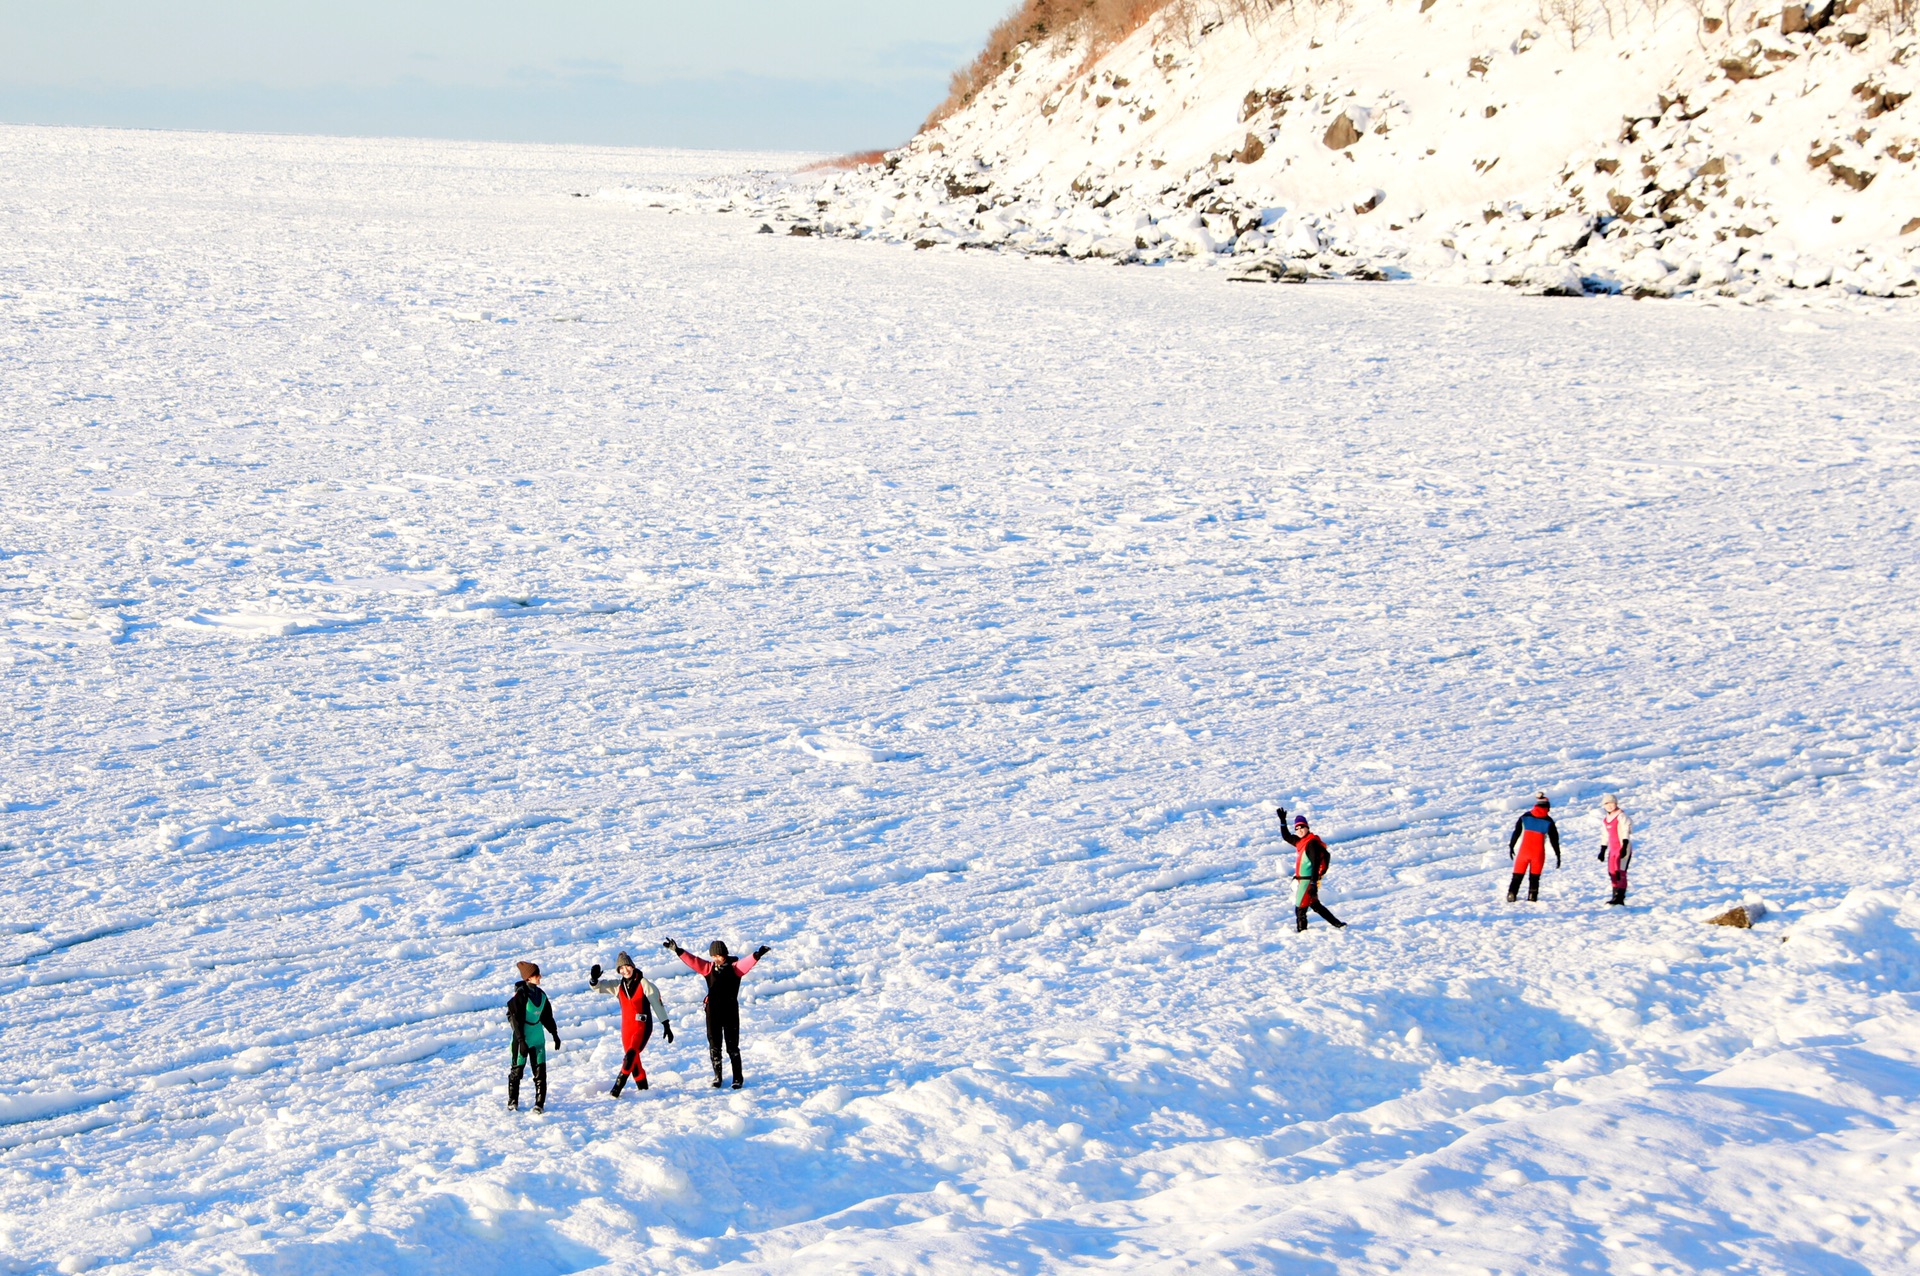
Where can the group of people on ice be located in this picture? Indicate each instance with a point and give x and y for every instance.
(1533, 833)
(530, 1018)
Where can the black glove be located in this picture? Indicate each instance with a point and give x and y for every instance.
(668, 1029)
(593, 977)
(1602, 855)
(762, 951)
(671, 947)
(1556, 859)
(1282, 813)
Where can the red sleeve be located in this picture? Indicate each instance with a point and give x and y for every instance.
(746, 963)
(700, 966)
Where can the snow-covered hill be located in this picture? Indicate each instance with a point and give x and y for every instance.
(1569, 146)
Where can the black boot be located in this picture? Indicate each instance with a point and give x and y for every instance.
(539, 1087)
(1619, 897)
(716, 1072)
(738, 1081)
(513, 1089)
(641, 1084)
(1513, 888)
(620, 1085)
(1300, 920)
(1533, 888)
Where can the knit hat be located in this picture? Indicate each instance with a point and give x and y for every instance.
(1300, 822)
(623, 960)
(528, 970)
(717, 949)
(1541, 799)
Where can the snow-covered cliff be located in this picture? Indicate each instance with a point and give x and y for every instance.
(1558, 145)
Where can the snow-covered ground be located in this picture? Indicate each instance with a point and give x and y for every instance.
(408, 567)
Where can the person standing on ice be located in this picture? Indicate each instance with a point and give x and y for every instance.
(1532, 833)
(1310, 861)
(530, 1019)
(1617, 848)
(640, 1009)
(723, 999)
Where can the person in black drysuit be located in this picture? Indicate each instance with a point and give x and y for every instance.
(530, 1018)
(723, 999)
(1310, 861)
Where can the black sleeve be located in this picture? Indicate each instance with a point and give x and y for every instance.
(1514, 836)
(517, 1017)
(1318, 859)
(1553, 836)
(546, 1020)
(1292, 839)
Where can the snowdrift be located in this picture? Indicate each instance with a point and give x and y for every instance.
(1568, 147)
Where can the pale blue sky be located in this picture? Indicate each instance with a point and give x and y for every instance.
(811, 74)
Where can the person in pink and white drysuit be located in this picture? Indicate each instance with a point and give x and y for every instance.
(1616, 845)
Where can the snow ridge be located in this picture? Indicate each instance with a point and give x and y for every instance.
(1563, 149)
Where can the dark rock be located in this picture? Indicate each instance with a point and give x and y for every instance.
(1910, 227)
(1341, 133)
(801, 232)
(1858, 178)
(1742, 917)
(765, 229)
(1258, 100)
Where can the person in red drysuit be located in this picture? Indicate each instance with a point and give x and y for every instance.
(1310, 861)
(723, 999)
(1533, 832)
(640, 1009)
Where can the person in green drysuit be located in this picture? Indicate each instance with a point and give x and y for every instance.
(530, 1019)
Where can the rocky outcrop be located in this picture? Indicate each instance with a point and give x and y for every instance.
(1645, 151)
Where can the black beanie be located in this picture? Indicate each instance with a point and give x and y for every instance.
(717, 949)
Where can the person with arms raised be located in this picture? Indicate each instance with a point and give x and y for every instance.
(640, 1009)
(722, 974)
(1310, 862)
